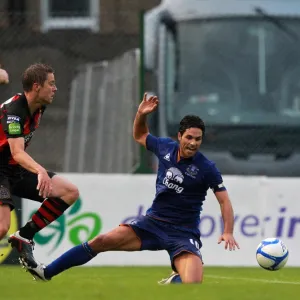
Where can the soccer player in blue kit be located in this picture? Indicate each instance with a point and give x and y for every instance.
(172, 222)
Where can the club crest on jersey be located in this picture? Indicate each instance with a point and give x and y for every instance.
(192, 171)
(173, 179)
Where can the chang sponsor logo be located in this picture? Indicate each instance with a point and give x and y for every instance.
(174, 179)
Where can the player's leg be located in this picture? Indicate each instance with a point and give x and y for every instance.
(142, 235)
(123, 238)
(62, 196)
(186, 259)
(189, 270)
(190, 267)
(6, 205)
(120, 238)
(4, 219)
(63, 189)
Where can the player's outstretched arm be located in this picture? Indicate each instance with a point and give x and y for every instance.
(140, 127)
(228, 219)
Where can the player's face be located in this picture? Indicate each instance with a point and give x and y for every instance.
(190, 142)
(47, 91)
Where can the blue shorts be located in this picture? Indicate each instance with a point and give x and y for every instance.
(158, 235)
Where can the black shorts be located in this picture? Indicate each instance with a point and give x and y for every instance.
(15, 180)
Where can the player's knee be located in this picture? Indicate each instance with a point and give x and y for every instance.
(197, 280)
(104, 242)
(72, 193)
(98, 243)
(192, 278)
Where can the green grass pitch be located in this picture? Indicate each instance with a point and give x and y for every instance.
(140, 283)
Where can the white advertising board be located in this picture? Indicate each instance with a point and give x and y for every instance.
(264, 207)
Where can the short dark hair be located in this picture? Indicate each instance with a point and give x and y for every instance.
(191, 121)
(36, 73)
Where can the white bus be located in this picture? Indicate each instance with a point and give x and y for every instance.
(236, 64)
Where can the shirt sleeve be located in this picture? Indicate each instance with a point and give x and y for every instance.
(154, 143)
(13, 122)
(214, 179)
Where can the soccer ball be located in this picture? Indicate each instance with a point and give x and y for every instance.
(272, 254)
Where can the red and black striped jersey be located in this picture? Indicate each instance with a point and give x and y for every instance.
(16, 121)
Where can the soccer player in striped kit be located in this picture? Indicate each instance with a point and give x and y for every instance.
(20, 174)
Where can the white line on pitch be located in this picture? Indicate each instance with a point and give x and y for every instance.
(253, 279)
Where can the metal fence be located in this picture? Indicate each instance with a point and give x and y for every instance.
(104, 99)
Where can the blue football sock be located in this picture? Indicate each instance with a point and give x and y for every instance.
(176, 279)
(76, 256)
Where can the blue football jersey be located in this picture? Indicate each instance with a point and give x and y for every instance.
(181, 186)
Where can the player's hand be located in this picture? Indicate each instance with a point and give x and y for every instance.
(147, 106)
(44, 183)
(229, 240)
(4, 79)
